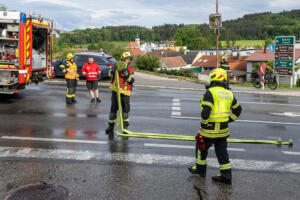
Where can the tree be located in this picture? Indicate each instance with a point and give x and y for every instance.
(147, 62)
(3, 7)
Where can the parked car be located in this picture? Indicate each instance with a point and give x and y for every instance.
(104, 61)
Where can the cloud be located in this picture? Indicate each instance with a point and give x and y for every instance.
(80, 14)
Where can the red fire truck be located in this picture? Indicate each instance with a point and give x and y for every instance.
(26, 50)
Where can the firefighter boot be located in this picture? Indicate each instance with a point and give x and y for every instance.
(110, 129)
(201, 170)
(222, 178)
(68, 100)
(73, 100)
(125, 126)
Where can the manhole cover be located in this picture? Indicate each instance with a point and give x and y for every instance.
(39, 192)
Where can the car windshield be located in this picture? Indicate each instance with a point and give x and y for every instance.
(112, 60)
(85, 58)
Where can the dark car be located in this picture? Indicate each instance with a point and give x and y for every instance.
(104, 61)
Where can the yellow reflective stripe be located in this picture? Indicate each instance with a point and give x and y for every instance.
(126, 120)
(235, 106)
(225, 167)
(201, 162)
(233, 116)
(204, 121)
(112, 121)
(214, 131)
(122, 91)
(215, 135)
(207, 104)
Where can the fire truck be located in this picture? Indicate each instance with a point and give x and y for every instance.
(26, 50)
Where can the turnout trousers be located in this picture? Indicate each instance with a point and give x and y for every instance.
(125, 102)
(221, 153)
(71, 90)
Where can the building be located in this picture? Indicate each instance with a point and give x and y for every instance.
(206, 63)
(189, 57)
(135, 47)
(232, 52)
(167, 43)
(173, 63)
(149, 46)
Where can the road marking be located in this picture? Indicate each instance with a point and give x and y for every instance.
(57, 154)
(53, 140)
(176, 113)
(185, 147)
(176, 100)
(287, 114)
(249, 102)
(246, 121)
(291, 153)
(176, 108)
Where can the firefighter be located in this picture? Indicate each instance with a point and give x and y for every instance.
(71, 76)
(126, 79)
(219, 108)
(92, 72)
(225, 66)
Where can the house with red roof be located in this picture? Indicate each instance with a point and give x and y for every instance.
(173, 63)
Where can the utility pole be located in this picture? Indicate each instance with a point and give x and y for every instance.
(217, 33)
(215, 22)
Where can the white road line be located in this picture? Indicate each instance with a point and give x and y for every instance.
(169, 146)
(291, 153)
(176, 100)
(186, 147)
(176, 113)
(240, 164)
(249, 102)
(53, 140)
(176, 108)
(246, 121)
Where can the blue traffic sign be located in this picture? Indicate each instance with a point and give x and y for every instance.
(271, 47)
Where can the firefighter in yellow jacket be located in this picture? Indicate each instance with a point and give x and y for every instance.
(219, 108)
(71, 76)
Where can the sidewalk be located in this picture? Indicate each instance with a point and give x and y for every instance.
(146, 80)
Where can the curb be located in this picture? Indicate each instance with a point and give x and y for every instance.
(179, 88)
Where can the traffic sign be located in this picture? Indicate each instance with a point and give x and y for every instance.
(284, 55)
(271, 47)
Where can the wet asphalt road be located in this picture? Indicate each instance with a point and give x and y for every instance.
(44, 140)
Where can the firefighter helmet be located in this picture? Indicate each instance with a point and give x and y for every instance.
(218, 74)
(70, 56)
(125, 55)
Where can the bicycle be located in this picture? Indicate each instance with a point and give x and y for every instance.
(270, 79)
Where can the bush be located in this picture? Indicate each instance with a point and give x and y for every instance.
(181, 72)
(298, 82)
(147, 62)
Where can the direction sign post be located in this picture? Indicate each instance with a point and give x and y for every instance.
(285, 56)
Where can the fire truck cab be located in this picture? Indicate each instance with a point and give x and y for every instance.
(26, 50)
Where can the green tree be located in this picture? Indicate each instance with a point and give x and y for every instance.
(3, 7)
(147, 62)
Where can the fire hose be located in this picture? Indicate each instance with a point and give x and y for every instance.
(128, 133)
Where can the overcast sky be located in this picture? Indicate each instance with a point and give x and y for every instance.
(80, 14)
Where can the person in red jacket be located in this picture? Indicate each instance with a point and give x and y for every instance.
(92, 71)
